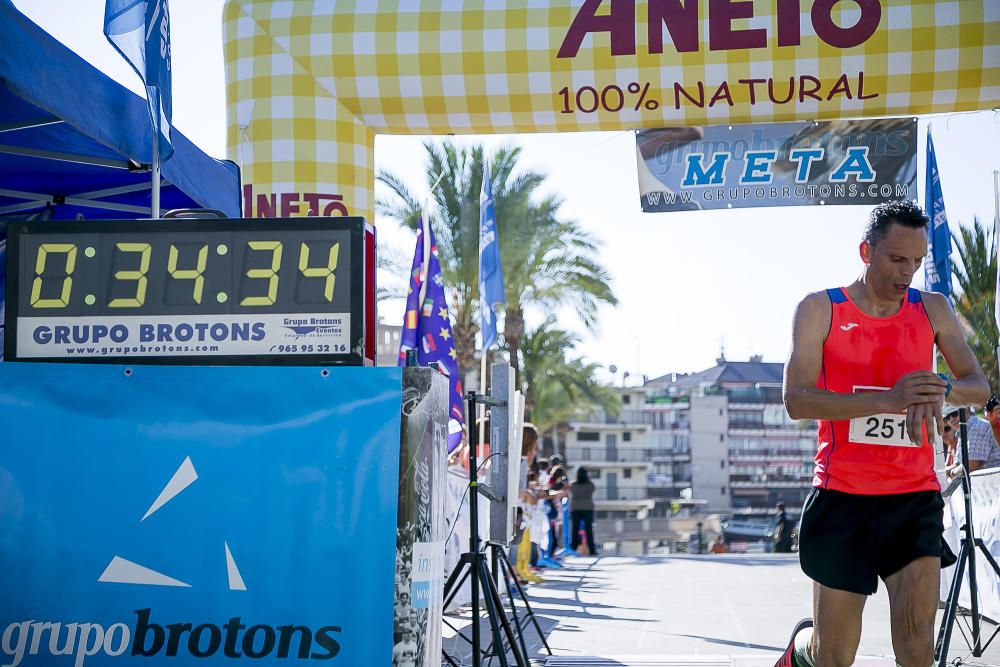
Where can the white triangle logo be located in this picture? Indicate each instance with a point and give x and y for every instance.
(235, 580)
(182, 479)
(121, 571)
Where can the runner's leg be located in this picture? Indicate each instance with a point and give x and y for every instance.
(837, 630)
(913, 601)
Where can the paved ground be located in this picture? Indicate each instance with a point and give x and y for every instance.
(733, 609)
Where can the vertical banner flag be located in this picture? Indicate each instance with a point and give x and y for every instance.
(996, 245)
(937, 266)
(490, 271)
(140, 31)
(427, 329)
(3, 288)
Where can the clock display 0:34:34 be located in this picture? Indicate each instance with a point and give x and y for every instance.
(160, 273)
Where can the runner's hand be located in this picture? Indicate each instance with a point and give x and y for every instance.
(924, 414)
(916, 388)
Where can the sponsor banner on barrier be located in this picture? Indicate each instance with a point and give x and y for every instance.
(985, 485)
(420, 527)
(195, 515)
(192, 335)
(777, 164)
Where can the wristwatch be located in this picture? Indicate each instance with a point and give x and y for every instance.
(947, 389)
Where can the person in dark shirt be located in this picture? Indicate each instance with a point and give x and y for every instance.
(581, 509)
(782, 531)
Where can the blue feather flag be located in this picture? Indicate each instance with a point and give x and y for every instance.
(937, 267)
(491, 293)
(140, 31)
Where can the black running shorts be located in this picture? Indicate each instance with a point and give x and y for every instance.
(849, 541)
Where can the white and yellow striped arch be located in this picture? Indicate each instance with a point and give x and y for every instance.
(311, 82)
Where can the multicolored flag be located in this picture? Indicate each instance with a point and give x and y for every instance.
(491, 292)
(427, 329)
(937, 266)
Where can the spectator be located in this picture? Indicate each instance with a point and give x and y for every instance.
(984, 452)
(558, 488)
(581, 509)
(782, 531)
(527, 497)
(950, 437)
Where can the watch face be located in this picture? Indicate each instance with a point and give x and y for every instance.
(215, 290)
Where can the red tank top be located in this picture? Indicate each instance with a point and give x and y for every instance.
(867, 455)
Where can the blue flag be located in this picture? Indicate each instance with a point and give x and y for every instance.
(427, 329)
(140, 31)
(937, 266)
(491, 292)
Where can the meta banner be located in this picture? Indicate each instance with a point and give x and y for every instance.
(185, 515)
(778, 164)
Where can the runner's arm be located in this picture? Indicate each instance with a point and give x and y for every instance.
(803, 399)
(969, 386)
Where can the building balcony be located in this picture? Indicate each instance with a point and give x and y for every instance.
(761, 482)
(621, 493)
(658, 480)
(772, 453)
(639, 466)
(670, 453)
(595, 455)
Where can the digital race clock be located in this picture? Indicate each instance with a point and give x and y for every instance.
(293, 291)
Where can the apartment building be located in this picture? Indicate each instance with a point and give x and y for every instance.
(745, 450)
(721, 437)
(387, 338)
(616, 455)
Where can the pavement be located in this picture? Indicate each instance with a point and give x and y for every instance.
(722, 610)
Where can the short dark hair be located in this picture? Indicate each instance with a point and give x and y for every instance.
(993, 402)
(902, 212)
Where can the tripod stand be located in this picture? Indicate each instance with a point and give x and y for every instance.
(966, 558)
(502, 565)
(472, 565)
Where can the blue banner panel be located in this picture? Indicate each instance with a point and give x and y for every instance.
(180, 515)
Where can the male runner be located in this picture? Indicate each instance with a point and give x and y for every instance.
(861, 365)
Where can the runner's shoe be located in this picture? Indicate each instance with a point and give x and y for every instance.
(787, 658)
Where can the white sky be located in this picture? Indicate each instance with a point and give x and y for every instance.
(686, 282)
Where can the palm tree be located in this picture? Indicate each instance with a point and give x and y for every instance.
(976, 276)
(547, 262)
(557, 387)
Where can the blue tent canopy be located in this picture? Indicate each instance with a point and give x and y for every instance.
(74, 141)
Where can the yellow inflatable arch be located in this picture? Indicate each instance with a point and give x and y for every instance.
(310, 83)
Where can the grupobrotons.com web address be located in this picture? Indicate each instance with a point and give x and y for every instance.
(810, 191)
(122, 350)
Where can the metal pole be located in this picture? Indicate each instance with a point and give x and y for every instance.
(154, 206)
(481, 411)
(969, 538)
(474, 534)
